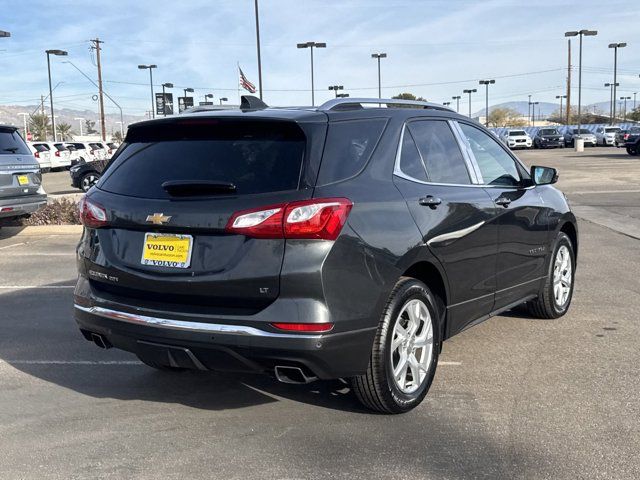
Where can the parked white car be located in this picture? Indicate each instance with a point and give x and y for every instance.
(59, 155)
(42, 155)
(516, 139)
(606, 135)
(99, 150)
(85, 152)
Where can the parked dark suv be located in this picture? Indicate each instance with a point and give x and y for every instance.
(317, 243)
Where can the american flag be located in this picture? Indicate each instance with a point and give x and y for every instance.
(246, 84)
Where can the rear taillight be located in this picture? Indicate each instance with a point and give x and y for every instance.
(57, 153)
(304, 327)
(626, 136)
(36, 154)
(321, 218)
(91, 214)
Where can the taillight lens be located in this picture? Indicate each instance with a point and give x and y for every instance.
(36, 154)
(626, 136)
(321, 218)
(57, 153)
(304, 327)
(91, 214)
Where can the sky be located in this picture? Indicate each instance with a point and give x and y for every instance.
(435, 49)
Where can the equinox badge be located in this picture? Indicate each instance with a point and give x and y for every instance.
(158, 218)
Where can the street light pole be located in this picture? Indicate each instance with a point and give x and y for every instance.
(150, 68)
(164, 98)
(58, 53)
(486, 83)
(612, 101)
(378, 56)
(4, 34)
(311, 46)
(457, 99)
(258, 48)
(80, 120)
(446, 104)
(223, 99)
(208, 95)
(561, 97)
(615, 47)
(470, 91)
(335, 89)
(529, 111)
(581, 33)
(624, 115)
(533, 112)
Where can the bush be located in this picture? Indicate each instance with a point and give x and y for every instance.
(58, 212)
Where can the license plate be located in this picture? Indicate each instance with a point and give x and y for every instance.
(167, 250)
(23, 180)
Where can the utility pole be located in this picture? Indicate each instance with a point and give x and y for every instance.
(42, 105)
(569, 82)
(96, 46)
(529, 111)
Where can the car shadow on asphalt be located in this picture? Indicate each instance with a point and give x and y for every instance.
(611, 156)
(446, 437)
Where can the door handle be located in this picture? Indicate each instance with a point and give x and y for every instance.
(429, 201)
(504, 201)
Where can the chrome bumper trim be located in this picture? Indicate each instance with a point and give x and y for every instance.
(169, 324)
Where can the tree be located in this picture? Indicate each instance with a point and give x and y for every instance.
(88, 126)
(505, 117)
(634, 115)
(63, 130)
(117, 137)
(39, 126)
(409, 96)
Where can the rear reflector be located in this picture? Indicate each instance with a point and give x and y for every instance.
(319, 218)
(304, 327)
(91, 214)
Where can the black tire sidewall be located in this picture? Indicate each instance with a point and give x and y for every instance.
(562, 240)
(86, 175)
(412, 289)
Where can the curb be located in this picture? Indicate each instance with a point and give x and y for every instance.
(35, 231)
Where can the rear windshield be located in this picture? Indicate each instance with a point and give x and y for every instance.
(95, 146)
(60, 147)
(516, 133)
(11, 142)
(41, 148)
(257, 157)
(78, 146)
(611, 129)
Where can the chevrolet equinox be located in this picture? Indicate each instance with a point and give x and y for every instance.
(342, 241)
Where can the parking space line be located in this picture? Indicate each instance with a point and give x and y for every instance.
(453, 364)
(13, 245)
(30, 287)
(43, 254)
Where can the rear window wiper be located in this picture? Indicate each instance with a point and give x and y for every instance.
(186, 188)
(12, 149)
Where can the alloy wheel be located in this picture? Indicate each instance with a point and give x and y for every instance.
(412, 346)
(562, 276)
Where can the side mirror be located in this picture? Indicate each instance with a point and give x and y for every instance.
(544, 175)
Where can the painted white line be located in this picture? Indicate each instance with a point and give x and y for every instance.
(43, 254)
(31, 287)
(453, 364)
(13, 245)
(69, 362)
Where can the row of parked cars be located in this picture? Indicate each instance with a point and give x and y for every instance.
(63, 155)
(551, 137)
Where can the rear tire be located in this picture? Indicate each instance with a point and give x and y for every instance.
(88, 180)
(407, 341)
(556, 294)
(633, 151)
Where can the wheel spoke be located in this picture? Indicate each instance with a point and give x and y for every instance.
(415, 370)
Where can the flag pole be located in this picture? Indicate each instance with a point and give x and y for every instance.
(238, 77)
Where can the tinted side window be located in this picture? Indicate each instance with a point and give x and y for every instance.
(496, 166)
(348, 147)
(11, 142)
(440, 152)
(410, 161)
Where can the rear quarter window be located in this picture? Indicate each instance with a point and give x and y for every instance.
(348, 147)
(256, 156)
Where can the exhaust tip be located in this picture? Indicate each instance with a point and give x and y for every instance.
(100, 340)
(293, 375)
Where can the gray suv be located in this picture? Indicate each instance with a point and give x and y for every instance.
(21, 191)
(344, 241)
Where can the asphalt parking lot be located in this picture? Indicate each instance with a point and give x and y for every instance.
(513, 398)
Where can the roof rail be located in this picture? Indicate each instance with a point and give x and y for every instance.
(349, 103)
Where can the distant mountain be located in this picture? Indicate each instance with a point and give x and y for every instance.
(546, 108)
(9, 115)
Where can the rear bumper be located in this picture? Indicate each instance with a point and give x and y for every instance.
(17, 206)
(224, 346)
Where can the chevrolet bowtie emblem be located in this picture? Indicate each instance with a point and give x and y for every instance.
(158, 218)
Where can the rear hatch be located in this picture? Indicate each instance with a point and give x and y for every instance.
(19, 170)
(176, 185)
